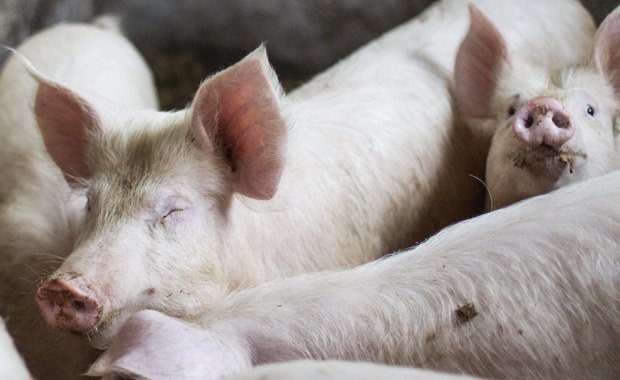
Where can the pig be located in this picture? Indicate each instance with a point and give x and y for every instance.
(247, 185)
(39, 214)
(527, 291)
(551, 127)
(11, 364)
(340, 370)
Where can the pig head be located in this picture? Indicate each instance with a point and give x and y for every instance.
(158, 188)
(551, 128)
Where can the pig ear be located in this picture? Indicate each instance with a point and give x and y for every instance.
(64, 119)
(606, 49)
(236, 114)
(479, 62)
(149, 345)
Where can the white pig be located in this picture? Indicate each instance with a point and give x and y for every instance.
(528, 291)
(39, 217)
(11, 364)
(552, 127)
(247, 185)
(340, 370)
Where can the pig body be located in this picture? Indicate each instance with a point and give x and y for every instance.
(11, 364)
(513, 294)
(39, 215)
(552, 127)
(247, 186)
(340, 370)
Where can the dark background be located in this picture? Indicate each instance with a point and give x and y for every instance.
(186, 40)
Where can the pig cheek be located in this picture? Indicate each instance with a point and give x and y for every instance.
(596, 148)
(174, 264)
(503, 155)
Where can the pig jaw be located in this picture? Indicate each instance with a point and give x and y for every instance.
(516, 172)
(546, 163)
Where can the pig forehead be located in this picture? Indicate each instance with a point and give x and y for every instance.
(132, 167)
(568, 84)
(578, 79)
(137, 154)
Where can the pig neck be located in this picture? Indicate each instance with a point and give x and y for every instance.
(351, 180)
(325, 213)
(301, 229)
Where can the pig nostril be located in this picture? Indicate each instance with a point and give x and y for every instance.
(78, 305)
(560, 121)
(529, 121)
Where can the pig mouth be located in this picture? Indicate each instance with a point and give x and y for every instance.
(546, 160)
(102, 334)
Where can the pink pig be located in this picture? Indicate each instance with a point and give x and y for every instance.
(552, 127)
(528, 291)
(248, 185)
(40, 217)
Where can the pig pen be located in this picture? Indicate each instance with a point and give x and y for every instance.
(186, 40)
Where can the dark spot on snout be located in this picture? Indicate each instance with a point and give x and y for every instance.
(149, 291)
(466, 312)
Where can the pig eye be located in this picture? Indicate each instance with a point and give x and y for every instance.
(512, 107)
(590, 110)
(162, 219)
(167, 208)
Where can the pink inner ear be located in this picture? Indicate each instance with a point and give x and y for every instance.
(478, 65)
(606, 51)
(237, 114)
(63, 118)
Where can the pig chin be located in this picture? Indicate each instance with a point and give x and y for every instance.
(545, 161)
(104, 332)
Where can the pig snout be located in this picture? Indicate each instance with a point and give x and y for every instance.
(542, 121)
(66, 307)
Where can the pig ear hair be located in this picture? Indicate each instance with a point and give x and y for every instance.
(236, 114)
(478, 65)
(64, 119)
(606, 49)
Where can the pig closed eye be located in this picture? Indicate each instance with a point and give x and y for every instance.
(590, 110)
(169, 213)
(167, 209)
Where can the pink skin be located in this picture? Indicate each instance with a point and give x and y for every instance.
(66, 307)
(542, 121)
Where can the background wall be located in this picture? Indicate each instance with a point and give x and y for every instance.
(186, 40)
